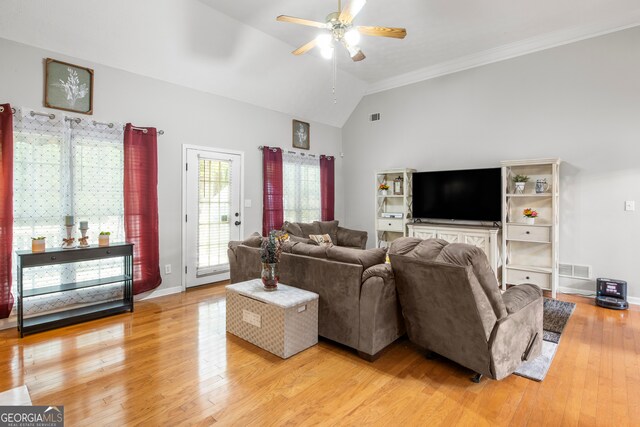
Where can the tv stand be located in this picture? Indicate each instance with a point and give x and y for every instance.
(486, 238)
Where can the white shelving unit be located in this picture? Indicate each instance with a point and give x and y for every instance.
(389, 229)
(531, 251)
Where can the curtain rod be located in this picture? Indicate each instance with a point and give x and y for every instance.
(52, 116)
(261, 147)
(160, 132)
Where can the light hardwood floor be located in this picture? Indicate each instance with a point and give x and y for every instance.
(171, 363)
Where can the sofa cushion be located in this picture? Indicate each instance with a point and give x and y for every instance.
(427, 250)
(309, 250)
(254, 241)
(309, 228)
(330, 228)
(297, 239)
(293, 229)
(366, 258)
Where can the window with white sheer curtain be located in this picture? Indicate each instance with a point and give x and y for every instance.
(65, 167)
(301, 187)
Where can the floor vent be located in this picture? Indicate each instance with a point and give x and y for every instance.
(374, 117)
(575, 271)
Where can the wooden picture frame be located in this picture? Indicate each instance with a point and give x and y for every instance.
(68, 87)
(301, 136)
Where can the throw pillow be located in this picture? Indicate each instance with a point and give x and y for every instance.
(309, 228)
(292, 228)
(321, 239)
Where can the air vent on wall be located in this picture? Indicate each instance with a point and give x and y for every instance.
(575, 271)
(374, 117)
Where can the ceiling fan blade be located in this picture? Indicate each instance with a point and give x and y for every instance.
(351, 10)
(305, 48)
(358, 56)
(294, 20)
(396, 33)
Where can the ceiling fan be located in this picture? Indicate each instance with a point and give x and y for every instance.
(342, 31)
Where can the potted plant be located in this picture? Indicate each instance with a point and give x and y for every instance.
(383, 189)
(530, 216)
(520, 181)
(38, 244)
(270, 251)
(103, 238)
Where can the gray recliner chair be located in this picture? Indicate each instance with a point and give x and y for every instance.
(452, 306)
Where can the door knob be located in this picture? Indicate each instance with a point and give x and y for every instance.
(237, 223)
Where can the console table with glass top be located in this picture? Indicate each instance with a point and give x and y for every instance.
(29, 259)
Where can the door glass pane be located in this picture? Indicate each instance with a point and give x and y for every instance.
(214, 215)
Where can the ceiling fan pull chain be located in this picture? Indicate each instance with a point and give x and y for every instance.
(335, 77)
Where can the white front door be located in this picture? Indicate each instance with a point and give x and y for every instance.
(212, 219)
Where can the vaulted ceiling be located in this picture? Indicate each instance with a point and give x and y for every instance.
(236, 49)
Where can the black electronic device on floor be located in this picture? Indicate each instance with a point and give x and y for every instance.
(611, 294)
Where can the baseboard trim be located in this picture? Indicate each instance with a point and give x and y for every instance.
(9, 323)
(590, 294)
(156, 293)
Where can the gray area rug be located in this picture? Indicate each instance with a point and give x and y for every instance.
(556, 316)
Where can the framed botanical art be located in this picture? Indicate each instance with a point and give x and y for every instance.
(301, 135)
(68, 87)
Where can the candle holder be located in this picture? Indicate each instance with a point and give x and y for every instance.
(84, 239)
(70, 241)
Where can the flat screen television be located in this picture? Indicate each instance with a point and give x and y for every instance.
(471, 195)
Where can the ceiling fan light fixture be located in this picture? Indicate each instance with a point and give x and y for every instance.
(353, 50)
(352, 37)
(327, 52)
(324, 41)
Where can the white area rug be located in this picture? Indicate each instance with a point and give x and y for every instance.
(537, 368)
(18, 396)
(556, 316)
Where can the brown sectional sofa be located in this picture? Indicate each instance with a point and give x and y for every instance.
(358, 305)
(340, 236)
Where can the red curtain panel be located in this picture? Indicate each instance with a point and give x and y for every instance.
(327, 187)
(272, 194)
(6, 209)
(141, 205)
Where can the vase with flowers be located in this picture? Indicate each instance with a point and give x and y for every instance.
(520, 181)
(383, 189)
(270, 251)
(530, 216)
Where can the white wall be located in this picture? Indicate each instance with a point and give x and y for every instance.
(579, 102)
(188, 43)
(188, 117)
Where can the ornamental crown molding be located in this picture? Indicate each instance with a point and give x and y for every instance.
(508, 51)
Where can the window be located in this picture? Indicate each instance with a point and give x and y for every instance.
(301, 188)
(214, 208)
(62, 167)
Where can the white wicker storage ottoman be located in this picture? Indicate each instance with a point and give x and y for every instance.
(283, 322)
